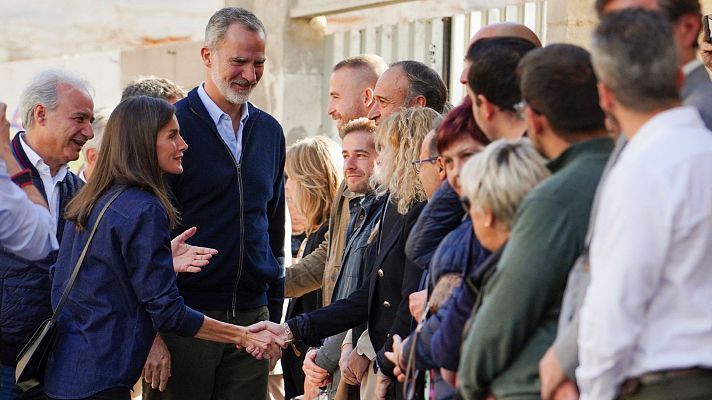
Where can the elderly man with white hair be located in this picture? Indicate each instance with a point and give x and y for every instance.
(57, 111)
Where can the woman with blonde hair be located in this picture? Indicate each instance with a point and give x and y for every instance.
(313, 171)
(382, 301)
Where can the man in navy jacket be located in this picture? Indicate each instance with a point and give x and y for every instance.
(232, 189)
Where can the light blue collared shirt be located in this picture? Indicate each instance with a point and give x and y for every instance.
(223, 123)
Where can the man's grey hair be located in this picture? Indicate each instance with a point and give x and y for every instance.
(153, 86)
(499, 177)
(424, 81)
(634, 55)
(43, 89)
(221, 21)
(101, 117)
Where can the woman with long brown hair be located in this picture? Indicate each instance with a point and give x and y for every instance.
(125, 289)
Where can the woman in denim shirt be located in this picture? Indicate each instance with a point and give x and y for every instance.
(126, 288)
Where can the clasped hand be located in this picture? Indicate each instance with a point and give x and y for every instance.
(265, 340)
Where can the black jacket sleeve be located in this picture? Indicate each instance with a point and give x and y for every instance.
(337, 317)
(441, 215)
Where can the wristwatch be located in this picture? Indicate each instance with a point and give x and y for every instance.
(287, 336)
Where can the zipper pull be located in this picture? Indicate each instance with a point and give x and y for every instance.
(233, 313)
(239, 169)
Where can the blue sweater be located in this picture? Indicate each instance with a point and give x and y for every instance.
(125, 291)
(238, 207)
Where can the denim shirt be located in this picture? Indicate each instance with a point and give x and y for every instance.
(125, 291)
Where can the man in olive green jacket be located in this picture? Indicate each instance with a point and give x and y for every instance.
(517, 319)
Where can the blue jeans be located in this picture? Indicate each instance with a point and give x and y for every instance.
(10, 391)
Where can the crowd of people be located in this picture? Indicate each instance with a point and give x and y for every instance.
(544, 239)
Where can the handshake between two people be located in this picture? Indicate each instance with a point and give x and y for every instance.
(265, 340)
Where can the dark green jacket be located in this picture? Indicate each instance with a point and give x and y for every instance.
(517, 320)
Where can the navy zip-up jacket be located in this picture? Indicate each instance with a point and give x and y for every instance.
(238, 208)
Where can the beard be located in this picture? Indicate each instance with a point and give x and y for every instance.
(225, 88)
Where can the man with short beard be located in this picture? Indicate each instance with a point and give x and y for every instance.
(232, 190)
(407, 84)
(351, 87)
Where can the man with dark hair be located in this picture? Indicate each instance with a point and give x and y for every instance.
(686, 19)
(566, 125)
(407, 84)
(493, 87)
(645, 318)
(351, 87)
(232, 190)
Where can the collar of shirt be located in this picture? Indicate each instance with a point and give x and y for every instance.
(603, 144)
(691, 66)
(40, 165)
(215, 112)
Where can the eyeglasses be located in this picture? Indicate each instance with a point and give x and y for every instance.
(418, 163)
(465, 203)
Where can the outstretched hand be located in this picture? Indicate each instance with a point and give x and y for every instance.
(187, 258)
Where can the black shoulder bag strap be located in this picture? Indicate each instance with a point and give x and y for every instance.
(32, 359)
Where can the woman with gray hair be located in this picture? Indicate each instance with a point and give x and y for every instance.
(494, 183)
